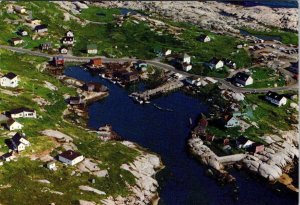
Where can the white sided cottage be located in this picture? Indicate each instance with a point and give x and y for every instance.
(9, 80)
(70, 157)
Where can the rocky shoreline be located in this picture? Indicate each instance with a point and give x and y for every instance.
(144, 168)
(270, 164)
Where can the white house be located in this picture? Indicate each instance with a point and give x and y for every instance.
(232, 122)
(167, 52)
(22, 113)
(69, 34)
(243, 79)
(215, 63)
(51, 165)
(275, 98)
(193, 81)
(7, 156)
(19, 142)
(35, 22)
(68, 41)
(16, 41)
(13, 125)
(23, 33)
(19, 9)
(92, 49)
(70, 157)
(204, 38)
(63, 50)
(186, 67)
(41, 28)
(186, 59)
(9, 80)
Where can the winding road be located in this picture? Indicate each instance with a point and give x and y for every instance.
(225, 84)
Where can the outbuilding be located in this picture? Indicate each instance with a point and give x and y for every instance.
(70, 157)
(11, 124)
(92, 49)
(9, 80)
(275, 98)
(243, 79)
(22, 113)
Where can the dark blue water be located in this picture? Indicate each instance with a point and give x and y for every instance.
(183, 181)
(269, 3)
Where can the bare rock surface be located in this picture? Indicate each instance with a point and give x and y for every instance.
(217, 16)
(144, 167)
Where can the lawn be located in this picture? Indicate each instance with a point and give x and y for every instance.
(265, 77)
(131, 39)
(286, 37)
(111, 155)
(268, 117)
(97, 14)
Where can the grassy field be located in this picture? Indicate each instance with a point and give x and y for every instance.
(286, 37)
(98, 14)
(267, 116)
(265, 77)
(21, 175)
(131, 39)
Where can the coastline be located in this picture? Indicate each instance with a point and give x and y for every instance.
(270, 164)
(144, 168)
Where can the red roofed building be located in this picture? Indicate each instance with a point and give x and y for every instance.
(96, 62)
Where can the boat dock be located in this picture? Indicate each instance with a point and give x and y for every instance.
(146, 95)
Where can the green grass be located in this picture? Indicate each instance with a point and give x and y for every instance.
(98, 14)
(267, 116)
(286, 37)
(111, 155)
(265, 77)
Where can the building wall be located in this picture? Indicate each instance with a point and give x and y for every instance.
(5, 82)
(15, 126)
(92, 51)
(70, 162)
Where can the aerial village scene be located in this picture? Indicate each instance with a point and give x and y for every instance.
(149, 102)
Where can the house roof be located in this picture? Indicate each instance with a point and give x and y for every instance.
(202, 37)
(10, 75)
(10, 121)
(70, 154)
(58, 58)
(16, 138)
(16, 39)
(91, 46)
(40, 27)
(241, 140)
(242, 76)
(203, 122)
(7, 155)
(274, 95)
(69, 31)
(19, 110)
(214, 61)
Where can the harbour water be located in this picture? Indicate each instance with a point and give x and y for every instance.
(183, 181)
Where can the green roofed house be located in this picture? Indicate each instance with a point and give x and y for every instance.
(91, 49)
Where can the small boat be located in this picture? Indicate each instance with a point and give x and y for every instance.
(191, 122)
(147, 102)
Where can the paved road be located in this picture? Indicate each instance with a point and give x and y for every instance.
(225, 84)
